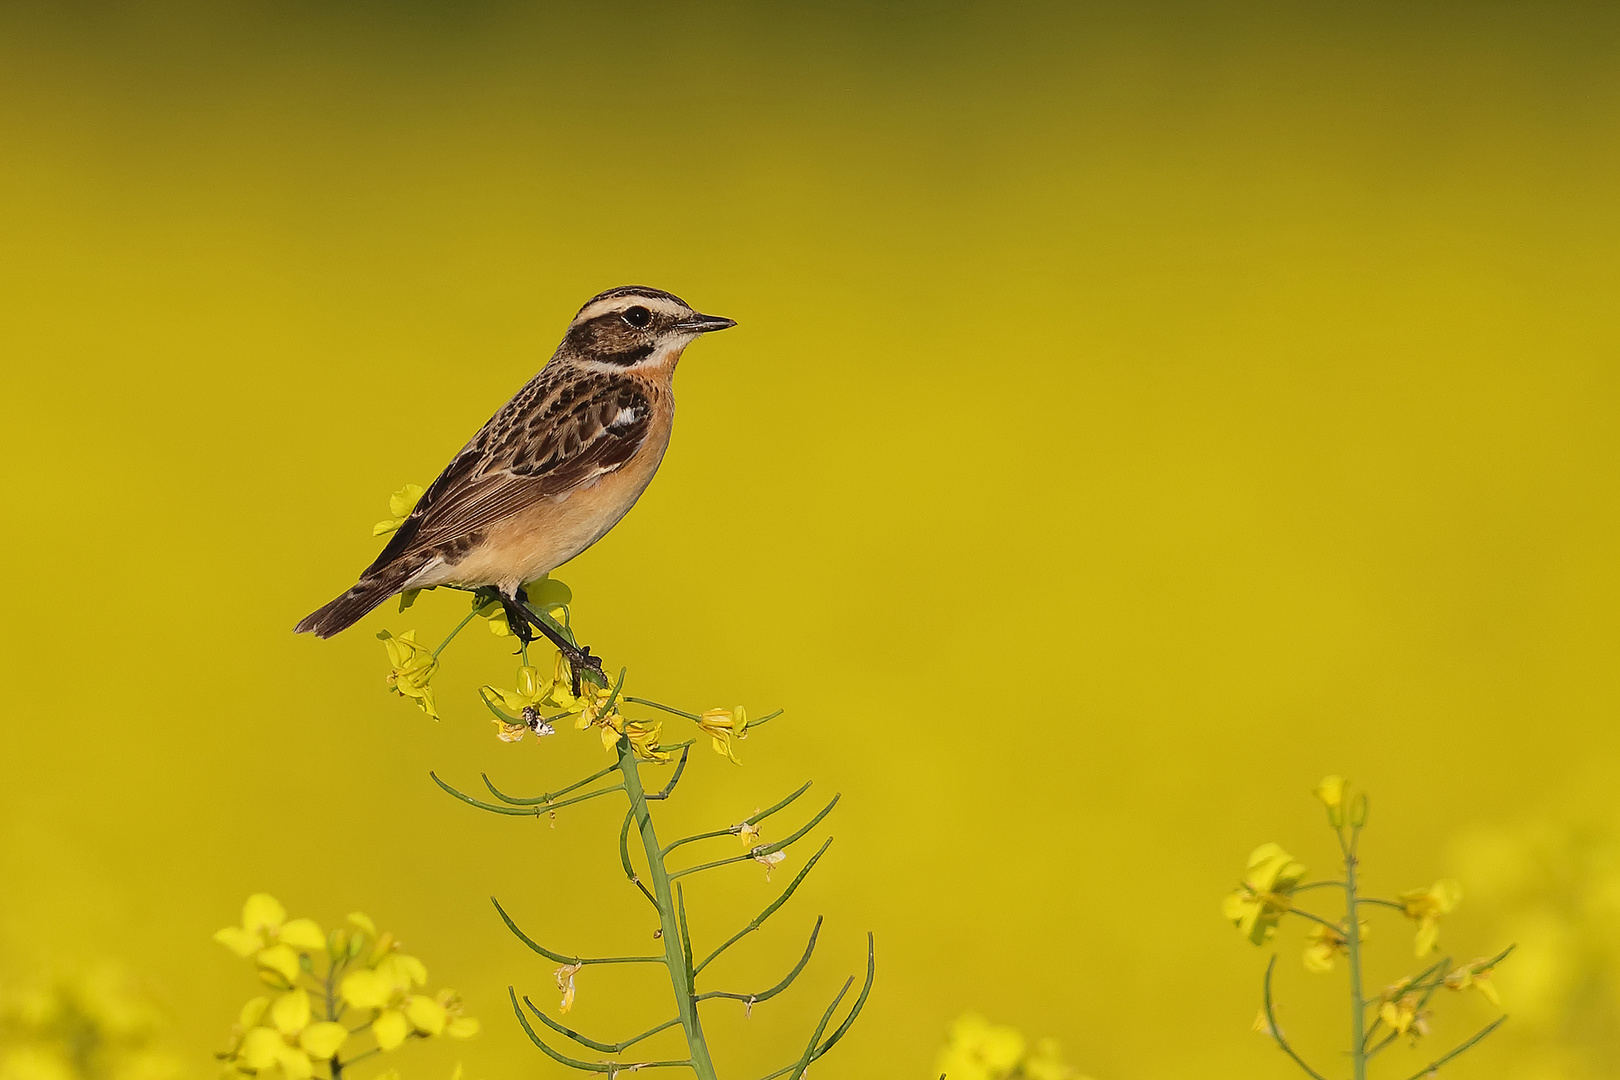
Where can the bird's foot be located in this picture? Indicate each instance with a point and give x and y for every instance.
(517, 618)
(579, 657)
(579, 660)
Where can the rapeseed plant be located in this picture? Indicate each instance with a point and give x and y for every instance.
(1271, 890)
(544, 697)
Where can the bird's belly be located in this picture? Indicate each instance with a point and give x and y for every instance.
(540, 538)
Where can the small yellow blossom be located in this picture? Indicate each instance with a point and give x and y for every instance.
(979, 1050)
(1262, 1025)
(1403, 1016)
(1426, 906)
(1478, 976)
(642, 734)
(724, 727)
(1259, 903)
(749, 833)
(388, 988)
(279, 1035)
(400, 505)
(565, 983)
(532, 694)
(1324, 944)
(413, 665)
(269, 938)
(1331, 791)
(769, 861)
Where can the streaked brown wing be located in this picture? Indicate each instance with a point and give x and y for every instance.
(556, 435)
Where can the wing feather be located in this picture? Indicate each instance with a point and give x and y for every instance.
(559, 434)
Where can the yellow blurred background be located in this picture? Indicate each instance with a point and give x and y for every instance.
(1136, 412)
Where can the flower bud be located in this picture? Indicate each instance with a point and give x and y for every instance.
(1358, 810)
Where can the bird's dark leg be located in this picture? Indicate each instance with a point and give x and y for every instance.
(517, 620)
(521, 619)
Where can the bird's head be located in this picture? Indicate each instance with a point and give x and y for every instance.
(636, 327)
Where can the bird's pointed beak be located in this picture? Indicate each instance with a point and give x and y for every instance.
(705, 324)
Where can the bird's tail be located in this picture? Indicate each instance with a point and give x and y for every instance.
(350, 607)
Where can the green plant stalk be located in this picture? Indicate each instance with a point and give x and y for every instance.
(675, 948)
(1352, 947)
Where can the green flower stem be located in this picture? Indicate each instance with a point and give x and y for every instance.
(1313, 918)
(521, 811)
(541, 800)
(759, 920)
(1381, 903)
(759, 815)
(763, 849)
(459, 627)
(677, 951)
(586, 1040)
(765, 995)
(1276, 1032)
(1352, 946)
(1429, 1069)
(584, 961)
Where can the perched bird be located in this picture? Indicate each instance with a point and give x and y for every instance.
(551, 472)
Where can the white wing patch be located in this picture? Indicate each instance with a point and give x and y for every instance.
(624, 419)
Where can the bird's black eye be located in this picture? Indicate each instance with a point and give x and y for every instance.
(637, 316)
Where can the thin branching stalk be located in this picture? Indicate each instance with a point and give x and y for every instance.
(677, 950)
(1352, 947)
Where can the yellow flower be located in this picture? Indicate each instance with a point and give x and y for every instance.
(386, 988)
(979, 1050)
(414, 665)
(1478, 976)
(1324, 944)
(1331, 791)
(273, 942)
(749, 834)
(565, 983)
(279, 1035)
(769, 862)
(526, 701)
(1259, 903)
(723, 727)
(1403, 1016)
(400, 505)
(643, 734)
(1426, 906)
(1262, 1025)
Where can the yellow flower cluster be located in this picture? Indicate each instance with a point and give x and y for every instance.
(1401, 1004)
(979, 1050)
(92, 1026)
(643, 735)
(534, 696)
(307, 1019)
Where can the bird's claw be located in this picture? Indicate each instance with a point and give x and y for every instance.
(582, 660)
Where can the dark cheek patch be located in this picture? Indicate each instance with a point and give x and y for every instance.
(625, 357)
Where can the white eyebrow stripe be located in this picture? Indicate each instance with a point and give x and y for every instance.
(628, 300)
